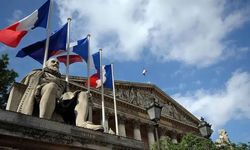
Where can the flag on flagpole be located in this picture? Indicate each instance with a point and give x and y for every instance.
(13, 34)
(72, 59)
(81, 48)
(95, 80)
(57, 44)
(95, 61)
(108, 75)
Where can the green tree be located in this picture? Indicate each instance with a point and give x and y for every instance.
(192, 142)
(166, 144)
(7, 77)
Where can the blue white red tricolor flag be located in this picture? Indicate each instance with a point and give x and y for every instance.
(13, 34)
(95, 60)
(95, 80)
(72, 59)
(81, 47)
(57, 44)
(108, 75)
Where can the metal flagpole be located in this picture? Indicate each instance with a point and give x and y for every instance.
(88, 74)
(102, 93)
(48, 34)
(88, 64)
(115, 109)
(68, 44)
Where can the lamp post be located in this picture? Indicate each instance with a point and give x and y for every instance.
(205, 128)
(154, 112)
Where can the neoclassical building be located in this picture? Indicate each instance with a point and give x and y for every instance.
(133, 121)
(136, 130)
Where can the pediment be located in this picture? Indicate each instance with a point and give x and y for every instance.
(140, 94)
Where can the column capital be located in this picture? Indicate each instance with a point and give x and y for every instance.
(150, 127)
(122, 118)
(136, 122)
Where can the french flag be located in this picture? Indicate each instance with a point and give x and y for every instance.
(81, 47)
(95, 80)
(13, 34)
(57, 45)
(108, 76)
(72, 59)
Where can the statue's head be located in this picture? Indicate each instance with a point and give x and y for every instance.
(52, 64)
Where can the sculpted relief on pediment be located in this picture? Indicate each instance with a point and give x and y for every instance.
(142, 97)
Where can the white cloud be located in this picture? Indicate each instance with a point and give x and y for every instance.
(191, 32)
(220, 106)
(15, 16)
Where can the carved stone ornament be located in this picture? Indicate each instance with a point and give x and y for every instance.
(143, 98)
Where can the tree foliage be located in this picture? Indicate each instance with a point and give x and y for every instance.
(7, 77)
(192, 142)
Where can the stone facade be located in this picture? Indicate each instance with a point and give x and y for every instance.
(133, 120)
(18, 131)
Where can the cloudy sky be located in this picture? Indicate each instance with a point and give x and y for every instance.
(196, 51)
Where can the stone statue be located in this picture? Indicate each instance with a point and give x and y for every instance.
(223, 138)
(46, 89)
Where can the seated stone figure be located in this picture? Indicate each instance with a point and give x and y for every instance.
(223, 138)
(47, 90)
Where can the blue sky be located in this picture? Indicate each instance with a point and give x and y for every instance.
(196, 51)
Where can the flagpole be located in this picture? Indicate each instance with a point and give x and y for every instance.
(115, 109)
(88, 74)
(102, 93)
(68, 44)
(48, 33)
(88, 64)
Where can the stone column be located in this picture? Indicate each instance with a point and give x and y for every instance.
(106, 122)
(137, 132)
(121, 126)
(151, 138)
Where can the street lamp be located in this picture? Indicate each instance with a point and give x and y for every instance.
(205, 129)
(154, 112)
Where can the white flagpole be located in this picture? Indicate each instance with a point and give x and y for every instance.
(102, 93)
(115, 109)
(68, 44)
(48, 33)
(88, 64)
(88, 74)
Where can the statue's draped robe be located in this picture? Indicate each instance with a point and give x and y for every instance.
(35, 81)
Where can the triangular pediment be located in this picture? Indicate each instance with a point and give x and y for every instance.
(141, 94)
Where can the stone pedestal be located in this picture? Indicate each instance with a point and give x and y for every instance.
(18, 131)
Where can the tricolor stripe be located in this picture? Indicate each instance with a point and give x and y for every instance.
(13, 34)
(72, 59)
